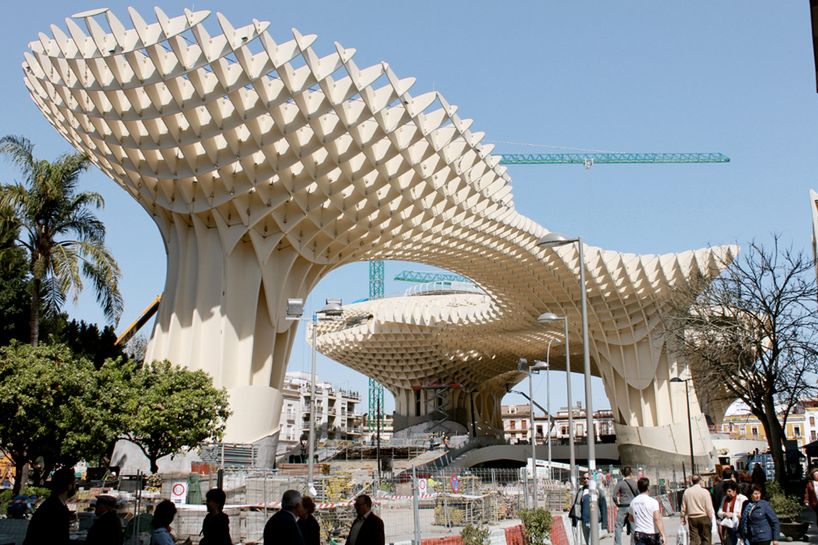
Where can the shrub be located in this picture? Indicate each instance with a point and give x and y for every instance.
(537, 524)
(475, 535)
(784, 506)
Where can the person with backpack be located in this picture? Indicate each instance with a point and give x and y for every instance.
(624, 492)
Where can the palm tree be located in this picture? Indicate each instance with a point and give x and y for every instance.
(63, 238)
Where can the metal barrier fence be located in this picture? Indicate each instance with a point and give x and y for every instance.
(435, 503)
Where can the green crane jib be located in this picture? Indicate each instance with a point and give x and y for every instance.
(426, 277)
(589, 159)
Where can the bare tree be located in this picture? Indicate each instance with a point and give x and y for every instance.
(752, 334)
(137, 347)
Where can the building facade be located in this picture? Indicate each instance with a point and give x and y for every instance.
(336, 415)
(801, 426)
(517, 425)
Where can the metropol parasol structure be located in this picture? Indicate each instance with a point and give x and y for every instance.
(266, 164)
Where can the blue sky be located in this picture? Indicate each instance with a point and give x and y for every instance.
(735, 77)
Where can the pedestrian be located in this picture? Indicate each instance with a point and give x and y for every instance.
(718, 488)
(759, 477)
(107, 527)
(283, 526)
(644, 514)
(368, 527)
(581, 509)
(51, 521)
(310, 529)
(697, 512)
(811, 491)
(163, 516)
(216, 524)
(718, 495)
(624, 492)
(729, 513)
(759, 525)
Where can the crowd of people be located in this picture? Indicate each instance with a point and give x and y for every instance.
(737, 506)
(294, 523)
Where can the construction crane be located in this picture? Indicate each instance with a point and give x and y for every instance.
(376, 268)
(589, 159)
(137, 324)
(426, 277)
(376, 278)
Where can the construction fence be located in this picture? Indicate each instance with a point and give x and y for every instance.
(414, 504)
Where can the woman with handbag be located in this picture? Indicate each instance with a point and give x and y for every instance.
(729, 512)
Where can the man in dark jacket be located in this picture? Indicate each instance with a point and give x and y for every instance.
(283, 526)
(107, 528)
(368, 527)
(51, 522)
(310, 529)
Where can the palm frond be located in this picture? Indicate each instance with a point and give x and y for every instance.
(20, 151)
(103, 271)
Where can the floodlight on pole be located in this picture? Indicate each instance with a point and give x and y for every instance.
(552, 240)
(544, 318)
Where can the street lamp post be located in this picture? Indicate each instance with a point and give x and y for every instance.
(548, 404)
(551, 317)
(549, 241)
(333, 309)
(522, 365)
(689, 421)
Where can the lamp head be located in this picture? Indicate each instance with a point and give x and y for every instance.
(295, 309)
(554, 239)
(332, 307)
(522, 364)
(676, 380)
(539, 366)
(549, 317)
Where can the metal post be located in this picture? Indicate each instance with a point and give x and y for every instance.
(589, 410)
(548, 405)
(690, 429)
(416, 506)
(311, 446)
(571, 449)
(533, 438)
(378, 443)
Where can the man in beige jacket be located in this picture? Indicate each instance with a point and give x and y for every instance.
(697, 512)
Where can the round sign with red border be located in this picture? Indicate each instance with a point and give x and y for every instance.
(455, 482)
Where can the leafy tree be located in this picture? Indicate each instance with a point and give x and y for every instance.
(59, 231)
(83, 339)
(50, 407)
(176, 408)
(752, 334)
(14, 286)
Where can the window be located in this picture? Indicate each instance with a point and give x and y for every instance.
(512, 425)
(812, 435)
(812, 421)
(755, 431)
(797, 430)
(524, 424)
(564, 430)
